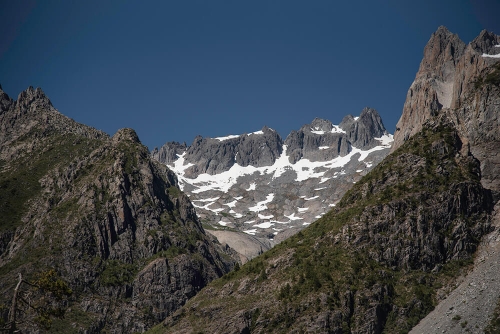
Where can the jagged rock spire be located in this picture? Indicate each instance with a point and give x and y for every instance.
(446, 75)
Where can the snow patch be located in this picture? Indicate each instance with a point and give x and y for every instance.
(292, 217)
(261, 206)
(207, 207)
(386, 140)
(318, 132)
(302, 209)
(311, 198)
(335, 129)
(324, 147)
(251, 187)
(264, 225)
(251, 232)
(491, 56)
(206, 199)
(265, 217)
(260, 132)
(226, 137)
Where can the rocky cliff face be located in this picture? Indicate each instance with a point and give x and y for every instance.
(169, 152)
(462, 82)
(217, 155)
(446, 77)
(268, 188)
(110, 220)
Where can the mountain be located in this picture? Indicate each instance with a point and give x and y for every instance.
(471, 74)
(397, 242)
(270, 188)
(101, 214)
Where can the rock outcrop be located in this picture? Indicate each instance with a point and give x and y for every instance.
(363, 130)
(110, 220)
(217, 155)
(169, 152)
(318, 141)
(447, 75)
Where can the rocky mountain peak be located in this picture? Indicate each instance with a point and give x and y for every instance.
(485, 42)
(347, 121)
(320, 124)
(217, 155)
(34, 98)
(169, 152)
(265, 128)
(126, 134)
(447, 75)
(442, 47)
(362, 131)
(5, 101)
(32, 115)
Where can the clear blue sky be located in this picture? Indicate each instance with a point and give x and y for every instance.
(176, 69)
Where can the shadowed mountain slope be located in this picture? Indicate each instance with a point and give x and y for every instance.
(108, 219)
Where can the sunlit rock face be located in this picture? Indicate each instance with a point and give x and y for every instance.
(270, 188)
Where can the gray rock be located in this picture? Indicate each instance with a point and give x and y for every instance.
(363, 131)
(214, 156)
(169, 152)
(259, 150)
(446, 77)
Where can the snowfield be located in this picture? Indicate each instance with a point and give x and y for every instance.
(216, 187)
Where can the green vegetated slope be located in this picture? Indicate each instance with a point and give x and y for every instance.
(98, 211)
(372, 264)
